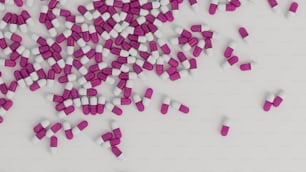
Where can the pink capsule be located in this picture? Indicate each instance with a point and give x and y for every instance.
(213, 7)
(165, 105)
(39, 136)
(243, 33)
(147, 97)
(100, 105)
(246, 66)
(80, 127)
(164, 46)
(230, 7)
(292, 9)
(230, 49)
(116, 130)
(180, 107)
(113, 108)
(193, 65)
(279, 98)
(117, 152)
(230, 62)
(198, 49)
(138, 102)
(67, 130)
(225, 127)
(53, 144)
(39, 84)
(54, 129)
(19, 3)
(12, 36)
(41, 126)
(274, 5)
(268, 102)
(183, 32)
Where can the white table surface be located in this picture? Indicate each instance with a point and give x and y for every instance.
(258, 141)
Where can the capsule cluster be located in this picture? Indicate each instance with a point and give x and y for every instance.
(231, 58)
(111, 140)
(291, 11)
(45, 129)
(273, 100)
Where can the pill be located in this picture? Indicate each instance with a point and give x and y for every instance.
(213, 7)
(53, 144)
(117, 152)
(225, 127)
(292, 9)
(39, 136)
(80, 127)
(268, 102)
(54, 129)
(246, 66)
(41, 126)
(274, 5)
(116, 130)
(230, 49)
(68, 130)
(279, 98)
(180, 107)
(244, 34)
(147, 97)
(138, 102)
(230, 62)
(113, 108)
(165, 105)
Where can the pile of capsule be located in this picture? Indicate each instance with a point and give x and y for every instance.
(111, 140)
(44, 129)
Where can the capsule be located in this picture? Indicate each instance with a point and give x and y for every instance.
(117, 152)
(147, 97)
(54, 129)
(268, 102)
(165, 105)
(279, 98)
(274, 5)
(246, 66)
(113, 108)
(292, 9)
(225, 127)
(116, 130)
(230, 49)
(180, 107)
(68, 130)
(41, 126)
(80, 127)
(230, 62)
(53, 144)
(39, 136)
(213, 6)
(138, 102)
(244, 34)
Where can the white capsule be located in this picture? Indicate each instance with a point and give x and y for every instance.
(101, 100)
(93, 101)
(23, 28)
(61, 63)
(34, 76)
(83, 70)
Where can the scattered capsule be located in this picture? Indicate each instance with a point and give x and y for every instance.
(225, 127)
(80, 127)
(268, 102)
(165, 105)
(292, 9)
(53, 144)
(279, 98)
(180, 107)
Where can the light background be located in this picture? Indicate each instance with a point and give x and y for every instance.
(258, 141)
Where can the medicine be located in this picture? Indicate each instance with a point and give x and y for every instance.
(147, 97)
(113, 108)
(80, 127)
(230, 62)
(225, 127)
(292, 9)
(39, 136)
(138, 102)
(67, 130)
(116, 130)
(53, 144)
(54, 129)
(180, 107)
(279, 98)
(213, 7)
(274, 5)
(230, 49)
(268, 102)
(117, 152)
(41, 126)
(165, 105)
(244, 34)
(246, 66)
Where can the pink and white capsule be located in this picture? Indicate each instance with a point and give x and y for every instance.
(268, 102)
(39, 136)
(244, 34)
(80, 127)
(279, 98)
(247, 66)
(138, 102)
(198, 49)
(165, 105)
(213, 7)
(53, 144)
(54, 129)
(274, 5)
(230, 62)
(116, 130)
(113, 108)
(180, 107)
(147, 97)
(225, 127)
(292, 9)
(230, 49)
(68, 130)
(42, 125)
(117, 152)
